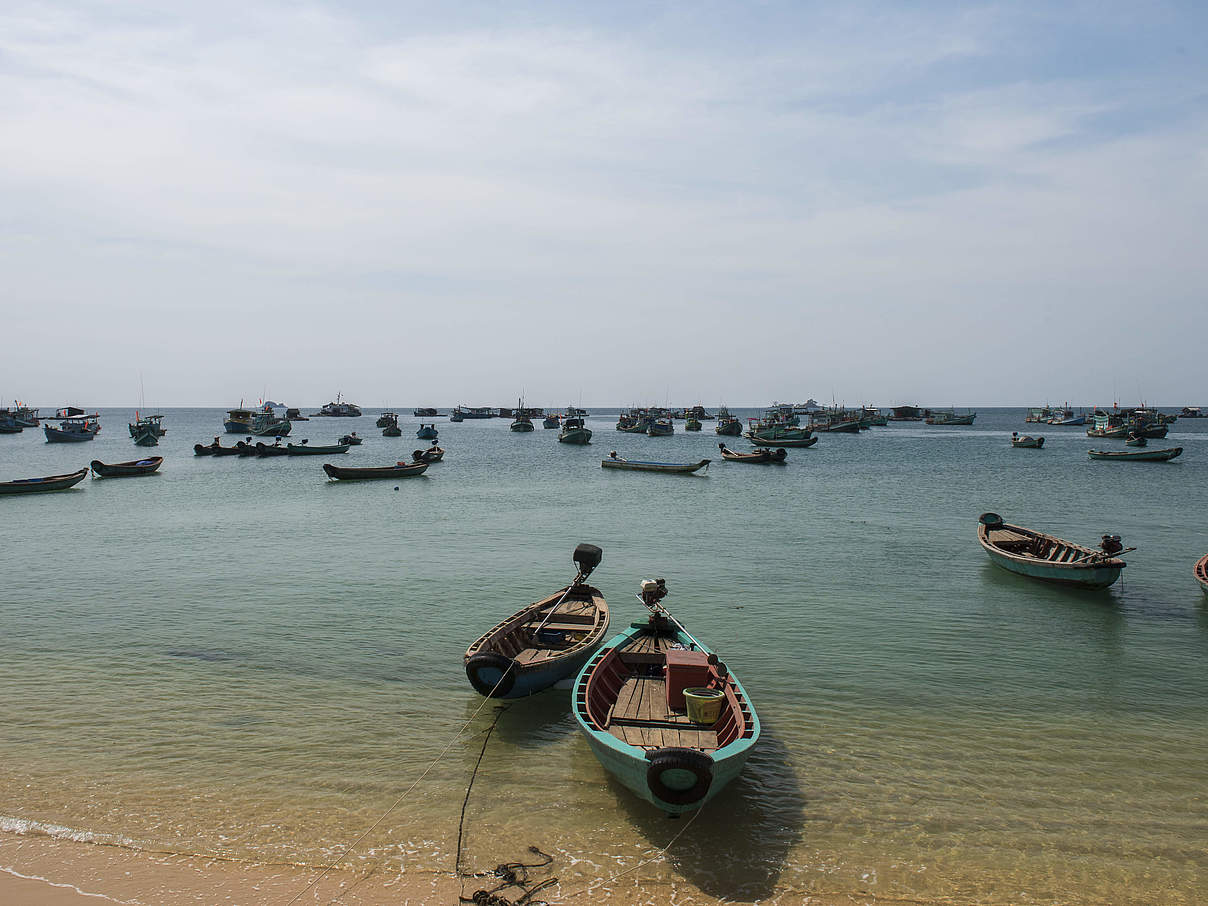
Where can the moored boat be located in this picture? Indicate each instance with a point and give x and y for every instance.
(691, 423)
(616, 462)
(544, 642)
(238, 421)
(295, 415)
(1201, 570)
(432, 454)
(47, 483)
(1137, 455)
(275, 449)
(386, 419)
(1026, 441)
(72, 430)
(1046, 557)
(144, 423)
(423, 412)
(662, 713)
(427, 432)
(764, 454)
(304, 449)
(574, 431)
(401, 470)
(550, 421)
(948, 418)
(339, 409)
(266, 423)
(796, 443)
(1136, 440)
(126, 469)
(9, 425)
(146, 438)
(660, 427)
(353, 440)
(727, 424)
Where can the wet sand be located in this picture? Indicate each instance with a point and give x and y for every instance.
(43, 871)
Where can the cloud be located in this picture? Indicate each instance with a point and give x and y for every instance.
(839, 179)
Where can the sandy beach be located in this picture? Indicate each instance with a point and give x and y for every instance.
(43, 871)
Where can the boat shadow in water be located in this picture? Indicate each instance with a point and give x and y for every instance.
(740, 841)
(529, 723)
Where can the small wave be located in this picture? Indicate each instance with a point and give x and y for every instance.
(83, 893)
(27, 827)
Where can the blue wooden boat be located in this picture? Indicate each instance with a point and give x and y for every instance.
(544, 642)
(72, 430)
(1040, 556)
(634, 702)
(427, 432)
(660, 427)
(49, 483)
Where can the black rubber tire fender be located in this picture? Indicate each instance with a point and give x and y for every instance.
(697, 763)
(500, 662)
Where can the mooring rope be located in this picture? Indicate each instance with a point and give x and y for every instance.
(435, 761)
(461, 825)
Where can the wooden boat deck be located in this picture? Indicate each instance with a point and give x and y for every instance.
(575, 614)
(640, 717)
(1037, 547)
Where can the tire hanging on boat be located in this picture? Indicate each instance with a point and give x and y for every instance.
(491, 660)
(696, 763)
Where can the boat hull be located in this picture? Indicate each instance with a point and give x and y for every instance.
(354, 474)
(785, 442)
(681, 468)
(40, 485)
(303, 450)
(55, 436)
(578, 436)
(1201, 568)
(1137, 455)
(126, 469)
(729, 429)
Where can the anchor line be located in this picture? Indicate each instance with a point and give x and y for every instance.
(397, 802)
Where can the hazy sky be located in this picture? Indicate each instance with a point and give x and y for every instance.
(431, 203)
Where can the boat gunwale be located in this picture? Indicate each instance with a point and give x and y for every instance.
(1084, 564)
(505, 627)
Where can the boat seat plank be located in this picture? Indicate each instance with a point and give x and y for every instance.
(565, 627)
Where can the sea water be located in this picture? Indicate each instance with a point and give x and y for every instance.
(238, 657)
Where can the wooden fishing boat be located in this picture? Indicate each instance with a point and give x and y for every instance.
(427, 432)
(1040, 556)
(295, 415)
(728, 426)
(392, 431)
(386, 419)
(764, 454)
(10, 426)
(203, 450)
(423, 412)
(144, 423)
(339, 409)
(551, 421)
(351, 439)
(544, 642)
(1136, 440)
(49, 483)
(266, 450)
(401, 470)
(1137, 455)
(616, 462)
(522, 424)
(146, 439)
(304, 449)
(432, 454)
(660, 427)
(268, 424)
(797, 443)
(246, 448)
(1201, 568)
(634, 701)
(72, 430)
(574, 431)
(126, 469)
(692, 424)
(948, 418)
(1026, 441)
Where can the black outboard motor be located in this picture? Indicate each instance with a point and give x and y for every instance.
(588, 557)
(1111, 545)
(653, 591)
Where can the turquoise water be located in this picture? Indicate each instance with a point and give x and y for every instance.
(239, 657)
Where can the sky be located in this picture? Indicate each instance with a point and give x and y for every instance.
(434, 203)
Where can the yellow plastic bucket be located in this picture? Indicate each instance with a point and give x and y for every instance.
(704, 705)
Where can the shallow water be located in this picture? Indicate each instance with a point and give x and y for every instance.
(239, 657)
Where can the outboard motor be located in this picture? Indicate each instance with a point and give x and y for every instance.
(1111, 545)
(653, 591)
(588, 557)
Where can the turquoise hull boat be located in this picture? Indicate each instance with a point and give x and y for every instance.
(626, 703)
(1048, 558)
